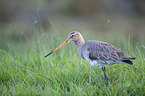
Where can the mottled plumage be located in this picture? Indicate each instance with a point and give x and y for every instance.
(103, 53)
(98, 53)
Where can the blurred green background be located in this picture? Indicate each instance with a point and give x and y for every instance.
(30, 29)
(19, 19)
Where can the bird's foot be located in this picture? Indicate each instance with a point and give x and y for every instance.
(106, 81)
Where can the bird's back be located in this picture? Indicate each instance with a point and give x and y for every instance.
(103, 53)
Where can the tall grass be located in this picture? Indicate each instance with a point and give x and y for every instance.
(25, 71)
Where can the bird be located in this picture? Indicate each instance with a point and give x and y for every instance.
(97, 53)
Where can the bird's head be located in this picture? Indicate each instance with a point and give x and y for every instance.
(75, 36)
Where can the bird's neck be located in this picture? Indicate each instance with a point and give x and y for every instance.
(79, 45)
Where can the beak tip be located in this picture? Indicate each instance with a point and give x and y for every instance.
(48, 54)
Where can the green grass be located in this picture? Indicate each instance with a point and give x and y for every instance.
(25, 71)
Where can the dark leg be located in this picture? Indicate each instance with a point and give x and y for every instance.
(106, 77)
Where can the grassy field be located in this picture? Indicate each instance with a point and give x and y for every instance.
(25, 72)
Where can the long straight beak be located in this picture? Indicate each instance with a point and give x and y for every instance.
(65, 42)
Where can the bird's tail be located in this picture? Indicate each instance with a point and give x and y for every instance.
(128, 61)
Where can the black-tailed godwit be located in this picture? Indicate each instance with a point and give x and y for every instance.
(98, 53)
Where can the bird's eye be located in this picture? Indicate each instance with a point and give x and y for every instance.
(72, 36)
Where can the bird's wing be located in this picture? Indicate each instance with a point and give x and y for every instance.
(99, 50)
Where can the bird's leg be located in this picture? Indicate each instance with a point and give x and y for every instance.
(81, 61)
(90, 75)
(106, 77)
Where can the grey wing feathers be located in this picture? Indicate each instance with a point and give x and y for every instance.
(99, 50)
